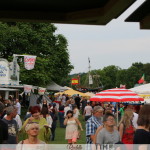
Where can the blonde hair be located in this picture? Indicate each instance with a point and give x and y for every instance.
(126, 119)
(31, 125)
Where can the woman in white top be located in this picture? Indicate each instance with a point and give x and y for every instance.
(76, 112)
(32, 129)
(32, 142)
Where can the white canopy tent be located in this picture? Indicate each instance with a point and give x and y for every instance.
(143, 91)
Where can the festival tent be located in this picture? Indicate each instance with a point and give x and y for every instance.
(36, 99)
(55, 87)
(71, 92)
(143, 91)
(89, 94)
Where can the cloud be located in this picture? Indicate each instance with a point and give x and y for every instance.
(116, 52)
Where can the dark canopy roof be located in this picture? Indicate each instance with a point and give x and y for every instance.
(141, 15)
(94, 12)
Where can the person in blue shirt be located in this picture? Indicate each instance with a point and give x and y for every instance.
(93, 123)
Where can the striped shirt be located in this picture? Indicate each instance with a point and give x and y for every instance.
(91, 126)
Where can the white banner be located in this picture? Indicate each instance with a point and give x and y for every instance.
(27, 88)
(29, 62)
(90, 79)
(41, 91)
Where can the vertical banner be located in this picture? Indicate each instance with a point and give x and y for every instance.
(29, 62)
(41, 90)
(15, 67)
(27, 88)
(74, 81)
(90, 79)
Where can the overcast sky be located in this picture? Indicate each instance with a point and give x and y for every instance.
(118, 43)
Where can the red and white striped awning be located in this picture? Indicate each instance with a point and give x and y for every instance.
(116, 95)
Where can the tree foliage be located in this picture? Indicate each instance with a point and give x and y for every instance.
(36, 39)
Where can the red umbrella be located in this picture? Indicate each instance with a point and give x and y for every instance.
(116, 95)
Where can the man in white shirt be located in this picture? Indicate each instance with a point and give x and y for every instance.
(18, 107)
(88, 111)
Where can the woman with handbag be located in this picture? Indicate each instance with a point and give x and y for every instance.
(72, 133)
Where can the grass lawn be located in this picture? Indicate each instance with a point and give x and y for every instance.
(60, 132)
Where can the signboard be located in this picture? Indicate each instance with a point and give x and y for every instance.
(27, 88)
(74, 81)
(41, 91)
(4, 71)
(29, 62)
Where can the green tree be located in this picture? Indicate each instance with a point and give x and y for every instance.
(133, 74)
(110, 74)
(121, 77)
(146, 71)
(36, 39)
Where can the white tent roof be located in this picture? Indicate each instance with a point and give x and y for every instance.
(142, 89)
(55, 87)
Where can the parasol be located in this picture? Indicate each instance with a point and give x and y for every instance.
(116, 95)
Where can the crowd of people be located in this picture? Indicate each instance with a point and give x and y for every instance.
(40, 122)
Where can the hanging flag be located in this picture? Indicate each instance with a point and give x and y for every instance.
(29, 62)
(122, 86)
(74, 81)
(141, 80)
(27, 88)
(90, 79)
(41, 90)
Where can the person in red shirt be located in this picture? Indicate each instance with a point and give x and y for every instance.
(126, 128)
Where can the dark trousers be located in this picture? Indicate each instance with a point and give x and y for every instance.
(87, 117)
(61, 119)
(53, 133)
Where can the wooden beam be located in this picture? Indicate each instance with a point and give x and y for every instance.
(145, 23)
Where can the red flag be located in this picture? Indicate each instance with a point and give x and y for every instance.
(141, 80)
(74, 81)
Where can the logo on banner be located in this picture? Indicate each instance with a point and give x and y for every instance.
(74, 81)
(27, 88)
(41, 91)
(29, 62)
